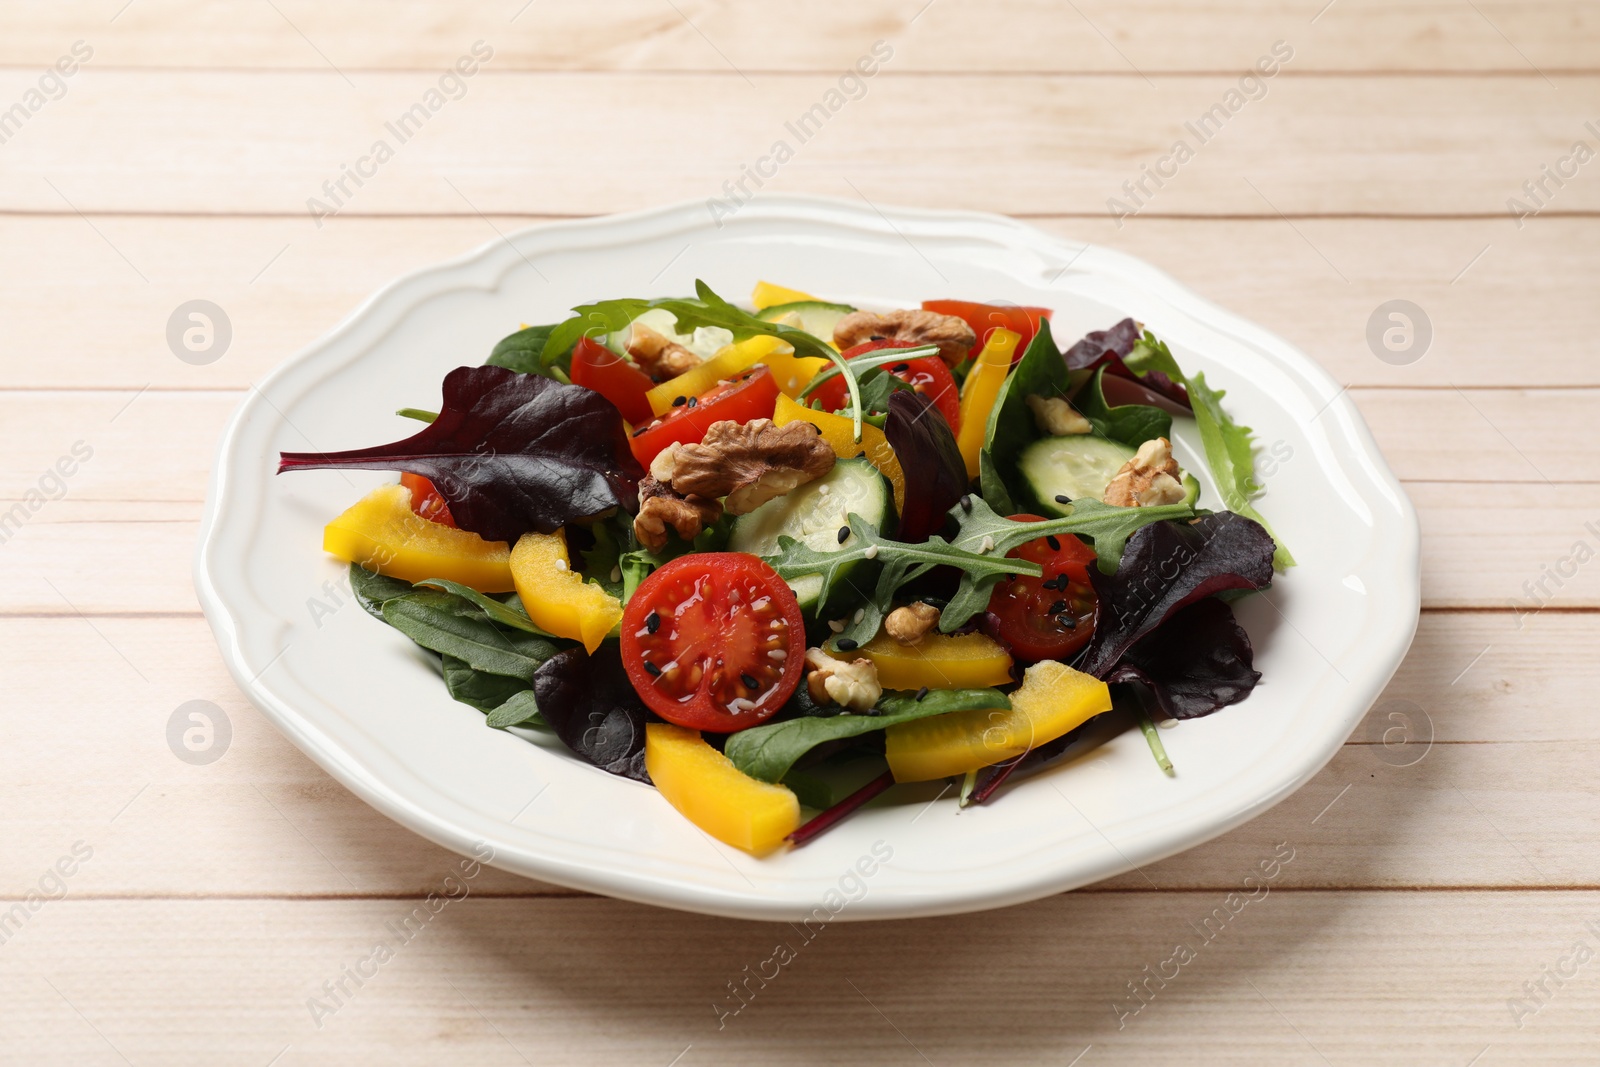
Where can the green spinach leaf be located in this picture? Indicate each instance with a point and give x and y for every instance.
(1131, 424)
(476, 688)
(519, 709)
(767, 752)
(372, 589)
(451, 625)
(507, 613)
(524, 351)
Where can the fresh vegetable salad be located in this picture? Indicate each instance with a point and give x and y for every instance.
(775, 560)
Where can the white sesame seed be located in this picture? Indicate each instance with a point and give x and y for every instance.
(860, 614)
(561, 564)
(871, 552)
(988, 544)
(616, 574)
(836, 625)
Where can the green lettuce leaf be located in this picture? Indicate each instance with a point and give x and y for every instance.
(1230, 453)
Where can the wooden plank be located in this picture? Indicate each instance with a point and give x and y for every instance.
(1152, 35)
(284, 285)
(220, 142)
(1501, 748)
(121, 539)
(1293, 978)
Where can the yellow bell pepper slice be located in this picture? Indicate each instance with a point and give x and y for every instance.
(383, 534)
(939, 661)
(792, 372)
(1052, 699)
(729, 361)
(839, 432)
(556, 597)
(767, 295)
(980, 391)
(709, 791)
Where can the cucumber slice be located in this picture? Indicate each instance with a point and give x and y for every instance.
(1081, 465)
(814, 514)
(812, 316)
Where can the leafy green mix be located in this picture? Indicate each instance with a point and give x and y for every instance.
(490, 650)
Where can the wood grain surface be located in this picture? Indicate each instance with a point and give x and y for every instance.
(1443, 901)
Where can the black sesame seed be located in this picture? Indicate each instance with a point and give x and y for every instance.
(966, 501)
(862, 454)
(749, 682)
(901, 368)
(817, 428)
(1062, 498)
(1058, 607)
(921, 693)
(651, 669)
(652, 621)
(844, 534)
(1068, 621)
(693, 401)
(1053, 542)
(679, 401)
(847, 644)
(641, 430)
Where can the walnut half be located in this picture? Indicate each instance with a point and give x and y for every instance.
(851, 684)
(748, 464)
(657, 355)
(1149, 478)
(660, 507)
(1054, 416)
(915, 327)
(910, 624)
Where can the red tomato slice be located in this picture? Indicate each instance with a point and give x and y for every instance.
(714, 641)
(594, 366)
(984, 318)
(928, 376)
(751, 395)
(426, 500)
(1052, 616)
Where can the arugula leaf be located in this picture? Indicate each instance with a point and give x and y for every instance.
(795, 558)
(1109, 527)
(476, 688)
(869, 361)
(523, 351)
(372, 589)
(767, 752)
(520, 709)
(449, 625)
(509, 453)
(602, 317)
(1230, 453)
(1040, 372)
(1131, 424)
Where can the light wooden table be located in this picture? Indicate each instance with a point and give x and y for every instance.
(1425, 903)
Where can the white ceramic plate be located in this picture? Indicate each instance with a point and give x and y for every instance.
(361, 700)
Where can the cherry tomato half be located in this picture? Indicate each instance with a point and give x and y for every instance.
(751, 395)
(426, 500)
(1052, 616)
(984, 318)
(594, 366)
(928, 376)
(714, 641)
